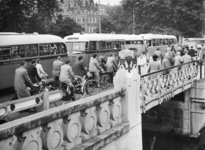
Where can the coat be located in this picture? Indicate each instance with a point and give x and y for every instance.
(111, 64)
(94, 65)
(66, 74)
(21, 82)
(57, 68)
(186, 58)
(33, 74)
(165, 64)
(79, 68)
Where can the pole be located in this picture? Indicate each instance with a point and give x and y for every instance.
(99, 18)
(133, 19)
(45, 100)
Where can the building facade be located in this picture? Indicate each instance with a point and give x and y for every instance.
(84, 12)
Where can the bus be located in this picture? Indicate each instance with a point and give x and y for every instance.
(195, 42)
(17, 47)
(155, 41)
(88, 44)
(133, 42)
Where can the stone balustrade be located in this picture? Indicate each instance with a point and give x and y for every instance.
(77, 125)
(29, 102)
(161, 86)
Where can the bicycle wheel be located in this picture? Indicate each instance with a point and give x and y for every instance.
(105, 81)
(92, 87)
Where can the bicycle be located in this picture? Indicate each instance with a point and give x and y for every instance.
(78, 91)
(38, 88)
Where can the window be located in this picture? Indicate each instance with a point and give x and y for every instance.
(79, 46)
(5, 53)
(31, 50)
(44, 49)
(92, 45)
(22, 51)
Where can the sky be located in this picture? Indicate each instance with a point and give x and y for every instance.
(112, 2)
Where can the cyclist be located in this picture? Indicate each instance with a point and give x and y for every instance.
(67, 76)
(95, 67)
(40, 70)
(56, 69)
(22, 80)
(32, 72)
(79, 67)
(111, 66)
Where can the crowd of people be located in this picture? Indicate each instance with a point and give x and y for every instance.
(62, 72)
(171, 57)
(65, 73)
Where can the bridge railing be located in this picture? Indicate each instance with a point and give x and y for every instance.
(162, 84)
(29, 102)
(69, 125)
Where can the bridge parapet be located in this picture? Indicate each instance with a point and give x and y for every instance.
(67, 126)
(161, 86)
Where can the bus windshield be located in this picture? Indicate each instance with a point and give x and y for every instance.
(79, 46)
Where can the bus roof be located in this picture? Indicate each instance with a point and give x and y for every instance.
(8, 33)
(23, 39)
(92, 37)
(157, 36)
(130, 37)
(194, 39)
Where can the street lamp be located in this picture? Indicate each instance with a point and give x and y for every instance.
(99, 18)
(133, 15)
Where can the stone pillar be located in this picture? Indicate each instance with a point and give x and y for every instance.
(127, 77)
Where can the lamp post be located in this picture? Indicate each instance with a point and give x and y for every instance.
(133, 15)
(99, 18)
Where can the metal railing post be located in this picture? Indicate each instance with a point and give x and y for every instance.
(200, 68)
(45, 100)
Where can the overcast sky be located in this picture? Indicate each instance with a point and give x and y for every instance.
(112, 2)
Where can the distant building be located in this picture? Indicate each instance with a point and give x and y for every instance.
(84, 12)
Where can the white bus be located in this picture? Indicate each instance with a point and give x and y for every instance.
(155, 41)
(17, 47)
(133, 42)
(88, 44)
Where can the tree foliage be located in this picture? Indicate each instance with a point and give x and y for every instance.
(178, 17)
(35, 16)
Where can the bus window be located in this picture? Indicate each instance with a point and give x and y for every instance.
(127, 42)
(109, 45)
(79, 46)
(102, 45)
(15, 52)
(5, 53)
(69, 46)
(44, 49)
(92, 45)
(31, 50)
(54, 49)
(22, 51)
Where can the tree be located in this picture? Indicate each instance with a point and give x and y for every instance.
(16, 14)
(180, 17)
(64, 27)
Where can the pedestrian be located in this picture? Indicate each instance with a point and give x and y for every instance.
(40, 69)
(67, 76)
(33, 73)
(166, 63)
(185, 59)
(177, 60)
(22, 80)
(142, 62)
(56, 70)
(111, 66)
(159, 54)
(95, 68)
(79, 67)
(192, 52)
(202, 54)
(154, 66)
(172, 54)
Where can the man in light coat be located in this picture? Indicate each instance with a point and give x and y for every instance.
(111, 66)
(56, 69)
(95, 67)
(166, 63)
(22, 80)
(185, 59)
